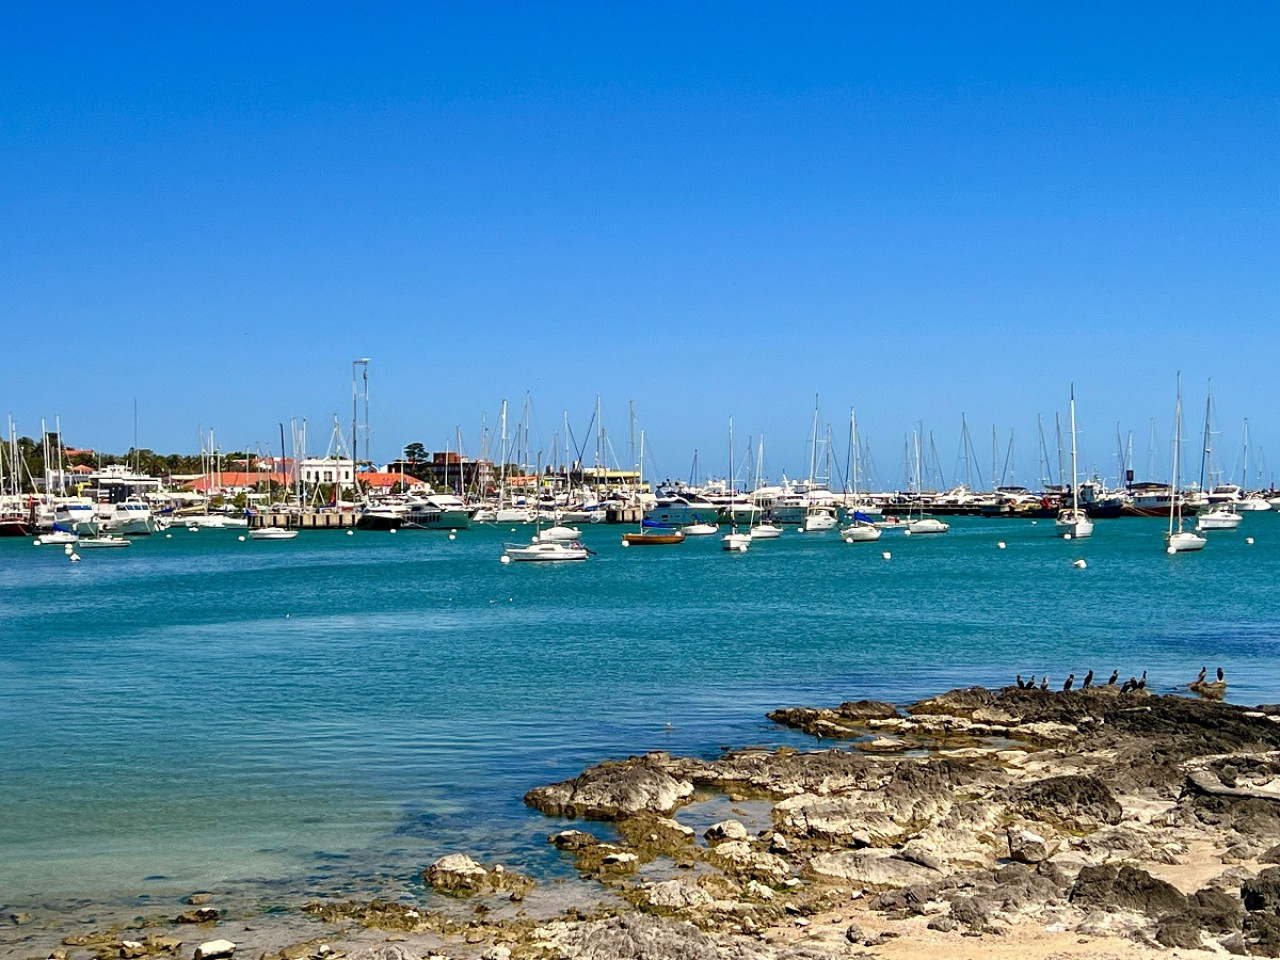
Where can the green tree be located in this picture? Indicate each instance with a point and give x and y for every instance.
(415, 452)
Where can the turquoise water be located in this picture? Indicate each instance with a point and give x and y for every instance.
(329, 714)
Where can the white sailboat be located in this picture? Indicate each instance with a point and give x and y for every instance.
(1221, 511)
(1178, 540)
(923, 524)
(734, 541)
(1072, 522)
(862, 529)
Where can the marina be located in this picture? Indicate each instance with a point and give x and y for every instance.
(309, 678)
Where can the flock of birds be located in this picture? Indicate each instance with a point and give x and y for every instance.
(1201, 685)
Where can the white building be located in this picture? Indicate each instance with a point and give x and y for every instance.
(327, 470)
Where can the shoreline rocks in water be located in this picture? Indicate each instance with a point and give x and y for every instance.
(1027, 820)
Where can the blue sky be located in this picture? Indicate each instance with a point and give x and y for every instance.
(919, 210)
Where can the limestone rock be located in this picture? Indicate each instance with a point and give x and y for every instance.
(1028, 847)
(613, 790)
(1084, 802)
(457, 874)
(869, 868)
(1128, 888)
(213, 949)
(682, 893)
(726, 830)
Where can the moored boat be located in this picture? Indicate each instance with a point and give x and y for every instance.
(546, 550)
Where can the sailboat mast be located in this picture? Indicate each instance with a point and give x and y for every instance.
(1174, 506)
(1075, 497)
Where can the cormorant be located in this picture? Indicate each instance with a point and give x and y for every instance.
(1031, 684)
(1141, 684)
(1021, 685)
(1088, 681)
(1203, 672)
(1130, 684)
(1071, 678)
(1115, 675)
(1221, 676)
(1044, 682)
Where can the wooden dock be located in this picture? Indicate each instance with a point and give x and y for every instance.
(322, 520)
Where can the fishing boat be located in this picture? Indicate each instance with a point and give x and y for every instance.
(1072, 522)
(1219, 516)
(272, 533)
(546, 550)
(1178, 540)
(653, 534)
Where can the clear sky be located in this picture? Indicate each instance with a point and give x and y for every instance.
(920, 210)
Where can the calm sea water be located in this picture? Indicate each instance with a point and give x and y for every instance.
(329, 714)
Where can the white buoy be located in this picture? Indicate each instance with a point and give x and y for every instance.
(848, 539)
(168, 536)
(504, 559)
(1066, 536)
(511, 599)
(887, 555)
(37, 542)
(393, 529)
(626, 543)
(1034, 522)
(1079, 564)
(453, 536)
(193, 529)
(1000, 545)
(454, 530)
(241, 538)
(513, 529)
(907, 532)
(74, 558)
(288, 615)
(1249, 541)
(68, 548)
(351, 533)
(1170, 551)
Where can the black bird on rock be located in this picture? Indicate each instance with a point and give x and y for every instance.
(1130, 684)
(1142, 684)
(1071, 678)
(1088, 681)
(1221, 675)
(1203, 673)
(1044, 682)
(1115, 675)
(1021, 685)
(1031, 684)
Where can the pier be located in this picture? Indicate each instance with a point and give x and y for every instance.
(335, 520)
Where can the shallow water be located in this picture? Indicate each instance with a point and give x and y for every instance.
(330, 714)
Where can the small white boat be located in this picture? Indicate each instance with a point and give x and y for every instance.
(861, 533)
(1219, 517)
(546, 550)
(559, 533)
(1183, 541)
(1178, 540)
(766, 531)
(58, 537)
(1252, 503)
(927, 525)
(90, 543)
(272, 533)
(818, 520)
(701, 529)
(736, 542)
(1073, 523)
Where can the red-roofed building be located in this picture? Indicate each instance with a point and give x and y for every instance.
(233, 482)
(384, 482)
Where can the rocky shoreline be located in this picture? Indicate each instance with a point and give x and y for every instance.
(1017, 822)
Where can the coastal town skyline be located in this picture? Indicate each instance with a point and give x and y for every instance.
(211, 213)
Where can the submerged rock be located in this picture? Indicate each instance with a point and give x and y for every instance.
(613, 790)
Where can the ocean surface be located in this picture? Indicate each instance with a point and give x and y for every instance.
(329, 715)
